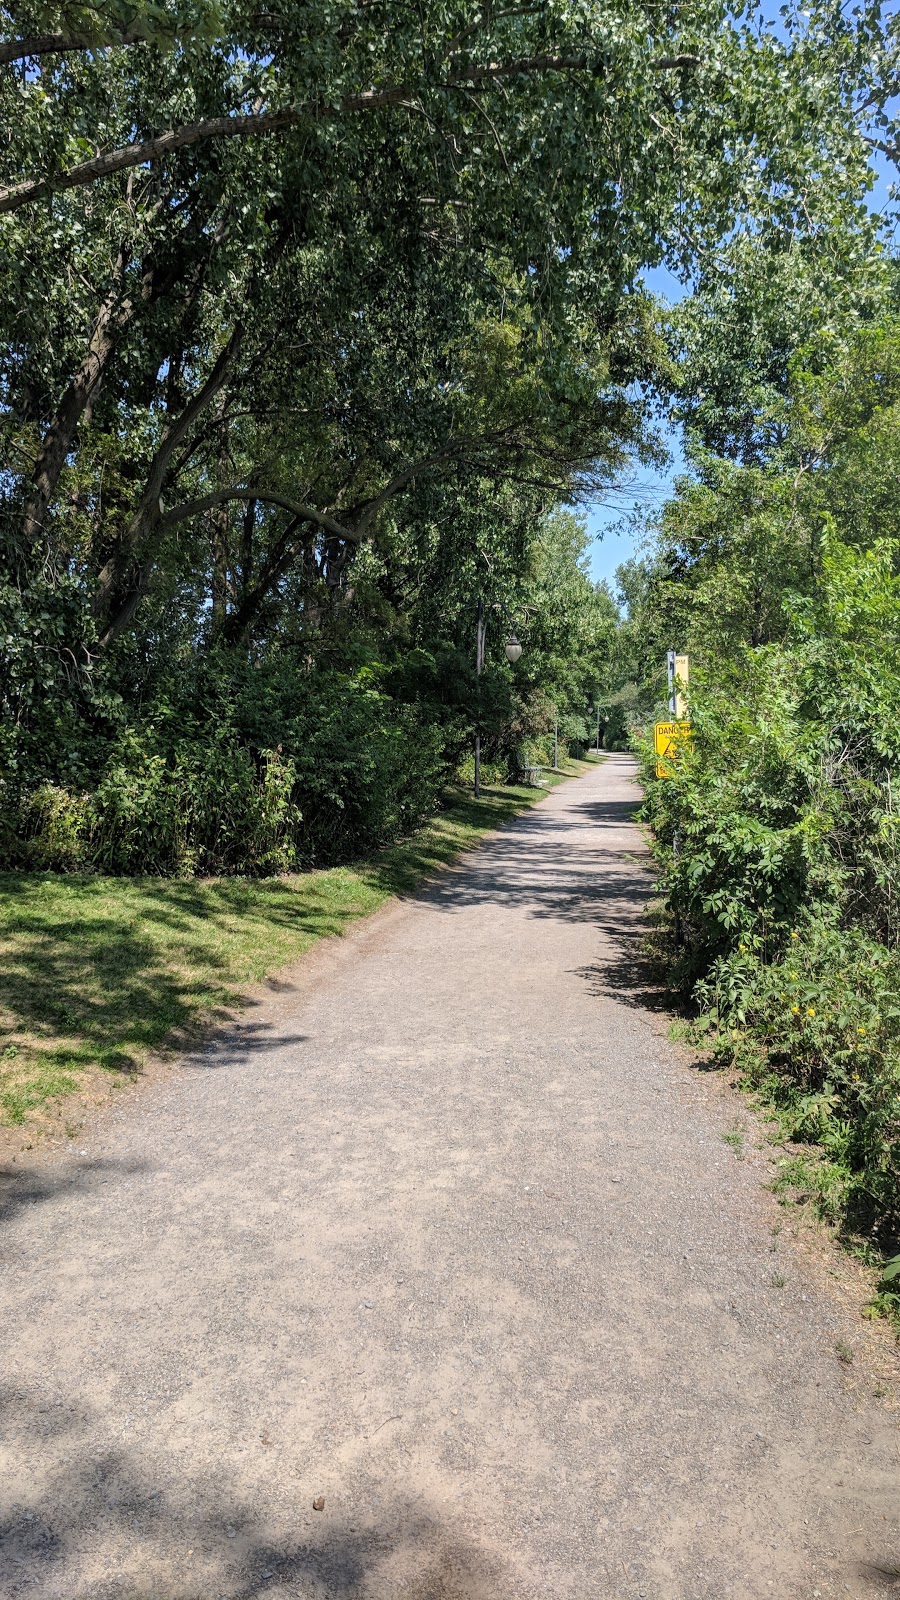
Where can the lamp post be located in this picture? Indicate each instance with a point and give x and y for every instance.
(479, 668)
(513, 652)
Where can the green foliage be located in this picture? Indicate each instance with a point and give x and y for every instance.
(179, 757)
(817, 1031)
(779, 835)
(192, 788)
(198, 808)
(779, 839)
(306, 391)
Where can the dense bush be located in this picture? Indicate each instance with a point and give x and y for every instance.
(817, 1031)
(779, 840)
(239, 769)
(329, 733)
(776, 569)
(200, 807)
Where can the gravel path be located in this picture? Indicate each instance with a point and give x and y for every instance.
(448, 1235)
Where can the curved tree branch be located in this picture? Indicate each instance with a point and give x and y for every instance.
(274, 497)
(145, 151)
(47, 44)
(146, 519)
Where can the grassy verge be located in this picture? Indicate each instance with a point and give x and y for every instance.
(811, 1180)
(97, 973)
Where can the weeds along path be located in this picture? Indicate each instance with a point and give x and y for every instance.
(447, 1237)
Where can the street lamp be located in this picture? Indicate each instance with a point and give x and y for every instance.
(513, 652)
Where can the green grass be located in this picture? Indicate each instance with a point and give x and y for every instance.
(100, 972)
(735, 1139)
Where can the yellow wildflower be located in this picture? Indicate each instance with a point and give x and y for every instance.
(796, 1010)
(810, 1011)
(860, 1030)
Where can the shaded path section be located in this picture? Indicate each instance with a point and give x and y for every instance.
(446, 1236)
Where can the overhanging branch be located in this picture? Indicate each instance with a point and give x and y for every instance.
(274, 497)
(890, 150)
(61, 44)
(258, 124)
(48, 44)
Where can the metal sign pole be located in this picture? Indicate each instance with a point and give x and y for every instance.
(479, 668)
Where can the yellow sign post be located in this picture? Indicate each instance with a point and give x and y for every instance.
(668, 738)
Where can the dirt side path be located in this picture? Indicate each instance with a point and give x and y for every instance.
(447, 1239)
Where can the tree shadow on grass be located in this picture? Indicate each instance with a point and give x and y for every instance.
(112, 981)
(134, 962)
(104, 970)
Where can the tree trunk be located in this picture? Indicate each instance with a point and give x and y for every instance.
(252, 597)
(219, 520)
(112, 319)
(124, 577)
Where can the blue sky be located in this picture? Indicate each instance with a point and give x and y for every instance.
(614, 543)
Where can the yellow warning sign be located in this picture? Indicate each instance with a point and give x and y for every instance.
(668, 738)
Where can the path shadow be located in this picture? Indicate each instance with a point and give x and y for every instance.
(105, 1520)
(241, 1039)
(585, 864)
(100, 1511)
(883, 1578)
(535, 867)
(24, 1186)
(630, 976)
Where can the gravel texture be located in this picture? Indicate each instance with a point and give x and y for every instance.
(446, 1235)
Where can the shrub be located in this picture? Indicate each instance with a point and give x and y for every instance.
(778, 840)
(194, 786)
(203, 810)
(818, 1032)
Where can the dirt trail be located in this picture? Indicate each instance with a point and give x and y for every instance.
(447, 1235)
